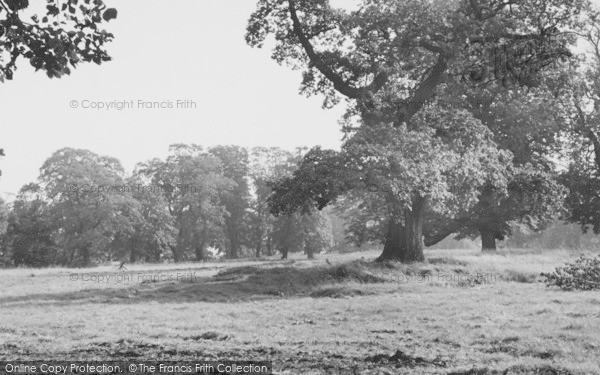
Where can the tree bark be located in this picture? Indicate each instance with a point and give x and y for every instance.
(133, 254)
(176, 253)
(233, 250)
(413, 219)
(596, 142)
(200, 245)
(284, 253)
(200, 253)
(310, 253)
(258, 248)
(394, 241)
(85, 256)
(404, 243)
(488, 240)
(232, 234)
(442, 231)
(269, 246)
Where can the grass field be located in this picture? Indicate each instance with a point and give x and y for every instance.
(458, 313)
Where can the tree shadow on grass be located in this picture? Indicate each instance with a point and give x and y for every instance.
(240, 284)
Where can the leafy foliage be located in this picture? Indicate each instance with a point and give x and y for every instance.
(581, 104)
(84, 210)
(320, 177)
(531, 200)
(192, 183)
(583, 274)
(390, 60)
(445, 160)
(87, 205)
(55, 37)
(527, 123)
(307, 232)
(152, 230)
(400, 49)
(29, 234)
(235, 163)
(266, 166)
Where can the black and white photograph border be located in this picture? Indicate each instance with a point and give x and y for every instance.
(369, 187)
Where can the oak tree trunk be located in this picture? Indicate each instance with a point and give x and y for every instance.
(234, 250)
(404, 243)
(85, 256)
(258, 248)
(200, 252)
(176, 252)
(488, 240)
(394, 241)
(413, 236)
(269, 246)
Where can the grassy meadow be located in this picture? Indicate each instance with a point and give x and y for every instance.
(460, 312)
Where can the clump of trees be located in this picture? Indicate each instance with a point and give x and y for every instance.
(423, 176)
(517, 149)
(84, 209)
(306, 232)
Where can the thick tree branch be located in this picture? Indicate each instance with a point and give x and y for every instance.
(491, 11)
(338, 83)
(424, 93)
(596, 142)
(433, 237)
(587, 131)
(431, 47)
(3, 5)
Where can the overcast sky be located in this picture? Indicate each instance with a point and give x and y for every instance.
(189, 50)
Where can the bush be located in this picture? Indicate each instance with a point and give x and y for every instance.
(583, 274)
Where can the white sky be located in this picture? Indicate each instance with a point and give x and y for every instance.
(188, 49)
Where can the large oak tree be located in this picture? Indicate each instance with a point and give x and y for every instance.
(390, 59)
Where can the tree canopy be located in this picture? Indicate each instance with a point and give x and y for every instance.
(53, 35)
(391, 59)
(580, 97)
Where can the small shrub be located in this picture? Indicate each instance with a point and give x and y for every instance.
(583, 274)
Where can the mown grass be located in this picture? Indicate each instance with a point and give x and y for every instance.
(309, 317)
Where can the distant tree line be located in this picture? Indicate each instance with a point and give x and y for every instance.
(517, 149)
(197, 203)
